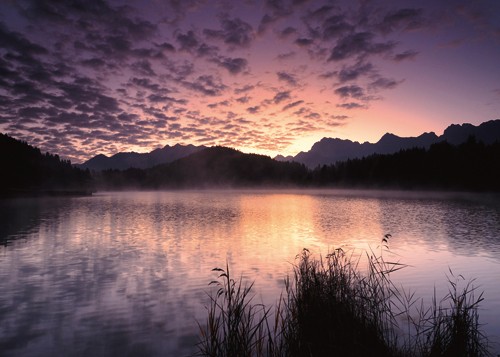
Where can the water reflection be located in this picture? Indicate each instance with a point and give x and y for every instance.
(19, 217)
(126, 273)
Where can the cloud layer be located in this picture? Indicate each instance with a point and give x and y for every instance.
(80, 78)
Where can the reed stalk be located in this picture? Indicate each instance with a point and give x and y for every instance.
(332, 307)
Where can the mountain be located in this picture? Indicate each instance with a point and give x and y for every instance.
(125, 160)
(470, 166)
(331, 150)
(211, 167)
(26, 171)
(487, 132)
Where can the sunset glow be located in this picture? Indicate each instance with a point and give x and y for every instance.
(273, 77)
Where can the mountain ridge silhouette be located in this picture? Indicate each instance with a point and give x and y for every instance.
(331, 150)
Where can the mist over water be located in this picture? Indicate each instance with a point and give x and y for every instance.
(127, 273)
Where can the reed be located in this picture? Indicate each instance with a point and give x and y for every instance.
(331, 306)
(451, 326)
(235, 325)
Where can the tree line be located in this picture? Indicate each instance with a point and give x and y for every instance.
(26, 170)
(471, 166)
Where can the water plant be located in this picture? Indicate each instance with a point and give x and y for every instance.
(343, 304)
(235, 326)
(451, 326)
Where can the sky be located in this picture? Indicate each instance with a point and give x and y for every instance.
(80, 78)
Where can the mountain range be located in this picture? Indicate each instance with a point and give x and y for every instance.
(331, 150)
(125, 160)
(324, 152)
(215, 166)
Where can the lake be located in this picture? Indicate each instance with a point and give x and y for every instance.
(127, 273)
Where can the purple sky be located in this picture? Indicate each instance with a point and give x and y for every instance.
(79, 78)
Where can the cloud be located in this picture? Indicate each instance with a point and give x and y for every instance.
(99, 16)
(178, 9)
(155, 98)
(303, 42)
(95, 63)
(253, 110)
(358, 44)
(405, 55)
(287, 77)
(339, 117)
(187, 41)
(287, 55)
(320, 13)
(335, 26)
(244, 89)
(106, 104)
(165, 46)
(16, 42)
(207, 85)
(235, 32)
(233, 65)
(384, 83)
(351, 105)
(302, 126)
(278, 9)
(205, 50)
(179, 71)
(291, 105)
(351, 91)
(313, 115)
(127, 117)
(80, 73)
(143, 68)
(223, 103)
(243, 100)
(351, 73)
(329, 74)
(281, 96)
(36, 112)
(287, 31)
(146, 83)
(403, 20)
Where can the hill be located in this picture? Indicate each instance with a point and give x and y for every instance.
(26, 171)
(470, 166)
(211, 167)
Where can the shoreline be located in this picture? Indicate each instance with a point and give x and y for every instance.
(13, 193)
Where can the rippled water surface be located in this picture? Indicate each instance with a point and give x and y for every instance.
(126, 274)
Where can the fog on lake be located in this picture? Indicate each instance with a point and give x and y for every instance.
(127, 273)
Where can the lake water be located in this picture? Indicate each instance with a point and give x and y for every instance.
(126, 274)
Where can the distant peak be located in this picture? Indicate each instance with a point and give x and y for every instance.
(389, 136)
(100, 156)
(430, 134)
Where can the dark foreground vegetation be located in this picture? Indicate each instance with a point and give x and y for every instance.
(471, 166)
(330, 308)
(26, 171)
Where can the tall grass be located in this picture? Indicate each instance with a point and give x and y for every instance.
(337, 306)
(235, 326)
(451, 326)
